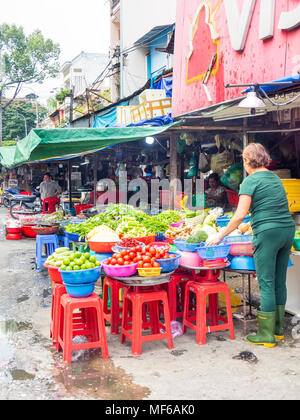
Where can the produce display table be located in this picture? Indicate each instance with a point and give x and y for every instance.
(138, 281)
(245, 317)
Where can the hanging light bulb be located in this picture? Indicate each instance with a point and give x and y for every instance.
(252, 101)
(150, 140)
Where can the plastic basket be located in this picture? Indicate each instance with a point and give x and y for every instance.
(224, 221)
(242, 249)
(297, 244)
(149, 272)
(214, 252)
(238, 239)
(186, 247)
(170, 264)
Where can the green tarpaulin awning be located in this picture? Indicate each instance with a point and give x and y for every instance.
(42, 144)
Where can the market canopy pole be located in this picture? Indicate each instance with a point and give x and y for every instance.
(173, 170)
(245, 141)
(95, 177)
(70, 183)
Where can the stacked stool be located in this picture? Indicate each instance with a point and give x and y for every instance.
(134, 321)
(112, 313)
(202, 290)
(51, 244)
(90, 324)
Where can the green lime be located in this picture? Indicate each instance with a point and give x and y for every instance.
(66, 261)
(83, 267)
(87, 255)
(69, 268)
(97, 263)
(78, 261)
(63, 267)
(72, 264)
(77, 254)
(76, 268)
(93, 259)
(72, 257)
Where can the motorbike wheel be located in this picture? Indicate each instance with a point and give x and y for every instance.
(17, 208)
(6, 202)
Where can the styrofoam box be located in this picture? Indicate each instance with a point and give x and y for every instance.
(124, 114)
(152, 95)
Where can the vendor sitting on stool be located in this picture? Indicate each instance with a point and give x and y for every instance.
(262, 193)
(49, 188)
(215, 195)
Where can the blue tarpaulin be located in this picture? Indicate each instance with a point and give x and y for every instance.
(154, 122)
(166, 83)
(108, 119)
(294, 79)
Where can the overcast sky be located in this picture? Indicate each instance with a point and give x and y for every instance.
(76, 25)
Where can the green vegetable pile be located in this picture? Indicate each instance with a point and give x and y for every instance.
(199, 237)
(297, 234)
(128, 221)
(68, 260)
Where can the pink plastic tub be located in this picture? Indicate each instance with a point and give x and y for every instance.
(119, 271)
(177, 224)
(190, 259)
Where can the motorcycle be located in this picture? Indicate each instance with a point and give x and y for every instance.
(8, 194)
(25, 205)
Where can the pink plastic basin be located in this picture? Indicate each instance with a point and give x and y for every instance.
(119, 271)
(177, 224)
(190, 259)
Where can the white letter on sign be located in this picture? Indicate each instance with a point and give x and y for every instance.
(239, 24)
(267, 17)
(289, 20)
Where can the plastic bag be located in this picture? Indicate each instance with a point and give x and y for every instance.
(203, 163)
(221, 161)
(233, 178)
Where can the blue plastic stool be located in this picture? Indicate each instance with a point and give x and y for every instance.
(63, 241)
(51, 242)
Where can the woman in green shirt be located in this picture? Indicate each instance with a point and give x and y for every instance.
(262, 193)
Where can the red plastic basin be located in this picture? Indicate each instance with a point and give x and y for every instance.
(101, 247)
(28, 231)
(54, 274)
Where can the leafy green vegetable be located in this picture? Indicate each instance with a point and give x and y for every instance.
(200, 236)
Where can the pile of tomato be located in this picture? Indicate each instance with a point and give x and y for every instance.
(145, 258)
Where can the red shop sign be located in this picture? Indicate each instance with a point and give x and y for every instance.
(232, 41)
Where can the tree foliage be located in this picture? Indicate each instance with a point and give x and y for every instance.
(13, 118)
(24, 59)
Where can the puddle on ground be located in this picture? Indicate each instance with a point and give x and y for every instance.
(12, 326)
(100, 379)
(21, 375)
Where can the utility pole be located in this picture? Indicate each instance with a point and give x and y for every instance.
(71, 94)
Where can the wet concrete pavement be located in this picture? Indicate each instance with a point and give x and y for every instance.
(30, 369)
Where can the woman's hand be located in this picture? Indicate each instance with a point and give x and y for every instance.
(215, 241)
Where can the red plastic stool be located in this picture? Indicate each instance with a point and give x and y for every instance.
(176, 294)
(93, 326)
(58, 290)
(112, 315)
(137, 299)
(202, 290)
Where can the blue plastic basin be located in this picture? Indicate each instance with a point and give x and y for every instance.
(170, 264)
(243, 263)
(182, 246)
(81, 276)
(80, 290)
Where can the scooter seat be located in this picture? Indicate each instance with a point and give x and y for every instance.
(24, 198)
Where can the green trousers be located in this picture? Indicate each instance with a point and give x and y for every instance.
(271, 256)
